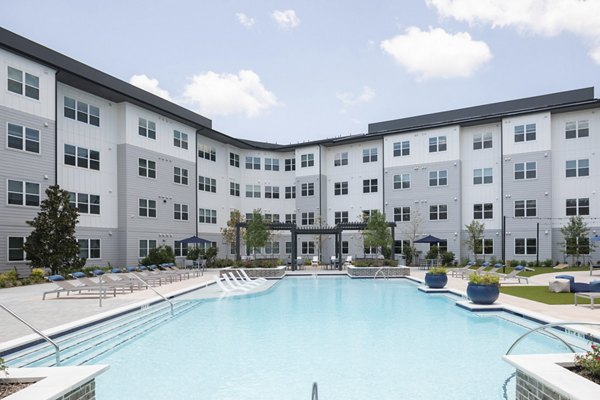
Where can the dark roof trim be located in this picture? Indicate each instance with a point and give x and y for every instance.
(86, 78)
(491, 112)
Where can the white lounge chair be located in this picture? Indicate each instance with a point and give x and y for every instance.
(514, 274)
(348, 261)
(223, 287)
(238, 283)
(230, 284)
(315, 261)
(259, 280)
(247, 282)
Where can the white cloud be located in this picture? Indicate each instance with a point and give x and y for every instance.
(245, 20)
(350, 99)
(436, 53)
(149, 85)
(286, 19)
(226, 94)
(540, 17)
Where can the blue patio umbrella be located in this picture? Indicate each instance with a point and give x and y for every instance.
(429, 239)
(194, 240)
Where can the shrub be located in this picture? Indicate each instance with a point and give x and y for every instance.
(408, 253)
(590, 362)
(9, 278)
(484, 279)
(160, 255)
(37, 275)
(437, 271)
(3, 367)
(547, 263)
(194, 253)
(447, 257)
(432, 253)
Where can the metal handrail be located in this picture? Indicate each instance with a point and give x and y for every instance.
(543, 327)
(154, 290)
(46, 338)
(382, 273)
(315, 392)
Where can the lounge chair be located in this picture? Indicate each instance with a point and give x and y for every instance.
(299, 263)
(125, 280)
(230, 284)
(514, 274)
(240, 283)
(348, 261)
(82, 279)
(247, 282)
(223, 287)
(68, 287)
(315, 261)
(258, 280)
(461, 271)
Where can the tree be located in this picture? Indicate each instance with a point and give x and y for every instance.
(256, 234)
(52, 243)
(412, 232)
(229, 233)
(577, 241)
(159, 255)
(377, 233)
(474, 235)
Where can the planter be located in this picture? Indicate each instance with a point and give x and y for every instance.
(436, 281)
(483, 294)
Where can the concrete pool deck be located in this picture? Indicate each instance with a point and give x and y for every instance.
(27, 302)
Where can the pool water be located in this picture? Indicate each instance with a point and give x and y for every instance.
(358, 339)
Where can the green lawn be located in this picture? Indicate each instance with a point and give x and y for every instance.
(544, 270)
(542, 294)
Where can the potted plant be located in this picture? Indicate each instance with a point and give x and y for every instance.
(436, 278)
(483, 289)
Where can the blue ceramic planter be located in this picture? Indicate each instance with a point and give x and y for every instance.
(483, 294)
(436, 281)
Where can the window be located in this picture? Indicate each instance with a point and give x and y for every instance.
(370, 155)
(437, 143)
(575, 129)
(234, 189)
(82, 157)
(400, 245)
(253, 191)
(206, 216)
(401, 214)
(234, 160)
(288, 247)
(482, 176)
(290, 164)
(366, 214)
(438, 212)
(340, 188)
(22, 138)
(402, 181)
(271, 218)
(15, 248)
(82, 112)
(146, 168)
(307, 189)
(181, 249)
(22, 193)
(308, 247)
(524, 133)
(369, 185)
(180, 139)
(308, 218)
(340, 159)
(145, 247)
(22, 83)
(85, 203)
(402, 148)
(147, 208)
(341, 217)
(271, 192)
(483, 211)
(180, 212)
(578, 206)
(272, 248)
(579, 245)
(207, 152)
(438, 178)
(307, 160)
(207, 184)
(484, 246)
(577, 168)
(249, 217)
(290, 192)
(290, 219)
(252, 162)
(146, 128)
(271, 164)
(526, 170)
(89, 248)
(180, 175)
(525, 246)
(525, 208)
(482, 141)
(344, 247)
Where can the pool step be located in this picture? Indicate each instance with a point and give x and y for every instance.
(84, 345)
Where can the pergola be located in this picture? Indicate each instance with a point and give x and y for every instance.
(336, 230)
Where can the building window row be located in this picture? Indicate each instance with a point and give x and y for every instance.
(271, 164)
(525, 208)
(482, 176)
(308, 218)
(402, 181)
(290, 164)
(525, 246)
(271, 218)
(180, 176)
(438, 212)
(401, 214)
(525, 133)
(22, 193)
(180, 212)
(207, 152)
(147, 168)
(180, 139)
(483, 211)
(340, 188)
(206, 184)
(82, 157)
(22, 138)
(437, 144)
(290, 219)
(82, 112)
(340, 217)
(145, 246)
(15, 248)
(526, 170)
(575, 168)
(207, 216)
(579, 206)
(370, 186)
(85, 203)
(23, 83)
(438, 178)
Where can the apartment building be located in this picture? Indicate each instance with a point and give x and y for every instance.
(144, 172)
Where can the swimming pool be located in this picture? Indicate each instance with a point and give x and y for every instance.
(359, 339)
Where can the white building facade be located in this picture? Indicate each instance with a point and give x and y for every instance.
(144, 172)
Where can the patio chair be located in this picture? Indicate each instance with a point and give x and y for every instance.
(82, 279)
(68, 287)
(348, 261)
(299, 263)
(240, 283)
(230, 284)
(514, 274)
(461, 271)
(219, 282)
(248, 282)
(315, 261)
(260, 280)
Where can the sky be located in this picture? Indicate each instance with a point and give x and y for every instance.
(294, 71)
